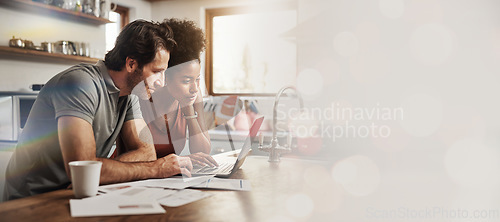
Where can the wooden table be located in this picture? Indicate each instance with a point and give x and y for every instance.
(293, 189)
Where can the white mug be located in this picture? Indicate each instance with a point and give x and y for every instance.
(85, 177)
(105, 7)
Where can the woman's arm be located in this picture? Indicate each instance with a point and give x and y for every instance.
(199, 139)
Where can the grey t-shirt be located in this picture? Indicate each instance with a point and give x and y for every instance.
(85, 91)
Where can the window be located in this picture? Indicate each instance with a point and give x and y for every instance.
(248, 51)
(120, 18)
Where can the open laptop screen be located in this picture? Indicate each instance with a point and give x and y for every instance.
(252, 133)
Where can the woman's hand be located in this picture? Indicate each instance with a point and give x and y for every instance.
(187, 105)
(188, 101)
(202, 159)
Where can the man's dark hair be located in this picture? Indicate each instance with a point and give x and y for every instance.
(139, 40)
(190, 41)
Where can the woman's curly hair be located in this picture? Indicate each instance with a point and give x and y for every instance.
(190, 41)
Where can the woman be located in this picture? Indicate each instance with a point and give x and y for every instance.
(178, 105)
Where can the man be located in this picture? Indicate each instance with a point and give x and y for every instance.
(83, 110)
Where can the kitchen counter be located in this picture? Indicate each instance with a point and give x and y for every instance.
(14, 93)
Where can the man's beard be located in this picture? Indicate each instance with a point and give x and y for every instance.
(140, 89)
(134, 78)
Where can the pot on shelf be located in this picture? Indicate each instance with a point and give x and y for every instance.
(85, 49)
(48, 47)
(65, 47)
(29, 44)
(19, 43)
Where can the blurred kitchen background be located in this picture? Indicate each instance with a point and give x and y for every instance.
(400, 96)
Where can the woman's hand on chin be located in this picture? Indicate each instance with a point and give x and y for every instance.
(187, 101)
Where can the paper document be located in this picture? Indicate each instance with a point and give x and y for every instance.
(182, 197)
(225, 184)
(177, 182)
(170, 183)
(126, 201)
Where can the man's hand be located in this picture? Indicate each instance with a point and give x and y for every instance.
(202, 159)
(172, 164)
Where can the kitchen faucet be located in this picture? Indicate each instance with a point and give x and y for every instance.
(275, 149)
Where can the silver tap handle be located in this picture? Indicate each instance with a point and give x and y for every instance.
(265, 148)
(261, 139)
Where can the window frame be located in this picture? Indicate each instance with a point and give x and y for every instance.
(124, 15)
(124, 18)
(210, 13)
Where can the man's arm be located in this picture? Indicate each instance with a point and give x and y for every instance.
(137, 142)
(77, 142)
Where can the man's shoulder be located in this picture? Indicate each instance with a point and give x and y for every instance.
(82, 71)
(82, 78)
(82, 75)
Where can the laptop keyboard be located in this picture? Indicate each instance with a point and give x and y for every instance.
(223, 168)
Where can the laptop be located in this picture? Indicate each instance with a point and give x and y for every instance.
(227, 169)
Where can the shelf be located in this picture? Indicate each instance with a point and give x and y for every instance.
(40, 8)
(45, 56)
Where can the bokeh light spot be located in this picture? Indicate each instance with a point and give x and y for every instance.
(470, 163)
(309, 82)
(431, 44)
